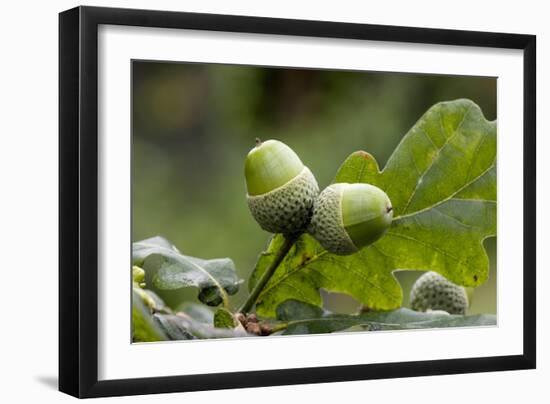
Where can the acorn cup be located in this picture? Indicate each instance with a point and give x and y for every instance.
(281, 190)
(434, 292)
(348, 217)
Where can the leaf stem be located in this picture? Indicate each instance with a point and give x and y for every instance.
(225, 298)
(266, 276)
(279, 327)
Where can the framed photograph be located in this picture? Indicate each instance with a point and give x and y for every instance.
(251, 201)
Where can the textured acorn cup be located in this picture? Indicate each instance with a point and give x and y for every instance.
(281, 191)
(348, 217)
(434, 292)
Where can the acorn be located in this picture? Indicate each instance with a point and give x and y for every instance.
(434, 292)
(281, 190)
(348, 217)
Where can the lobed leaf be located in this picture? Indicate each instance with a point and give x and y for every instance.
(321, 322)
(184, 327)
(144, 328)
(215, 278)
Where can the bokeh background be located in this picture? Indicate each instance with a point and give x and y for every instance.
(193, 125)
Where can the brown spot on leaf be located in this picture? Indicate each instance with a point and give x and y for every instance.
(304, 259)
(475, 278)
(364, 154)
(366, 309)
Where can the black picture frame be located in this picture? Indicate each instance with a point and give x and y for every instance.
(78, 200)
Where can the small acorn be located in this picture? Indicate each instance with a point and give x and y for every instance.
(348, 217)
(281, 190)
(434, 292)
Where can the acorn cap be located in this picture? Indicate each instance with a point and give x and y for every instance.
(432, 291)
(348, 217)
(286, 209)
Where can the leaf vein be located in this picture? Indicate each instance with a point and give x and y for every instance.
(452, 196)
(291, 272)
(426, 244)
(360, 275)
(438, 153)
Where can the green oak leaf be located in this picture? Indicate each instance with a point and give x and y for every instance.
(318, 321)
(197, 312)
(184, 327)
(216, 278)
(144, 328)
(151, 299)
(175, 329)
(223, 318)
(441, 180)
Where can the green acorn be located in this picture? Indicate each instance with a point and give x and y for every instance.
(281, 191)
(434, 292)
(348, 217)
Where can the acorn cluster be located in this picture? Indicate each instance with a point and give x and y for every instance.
(283, 197)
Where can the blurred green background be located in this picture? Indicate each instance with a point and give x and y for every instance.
(193, 125)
